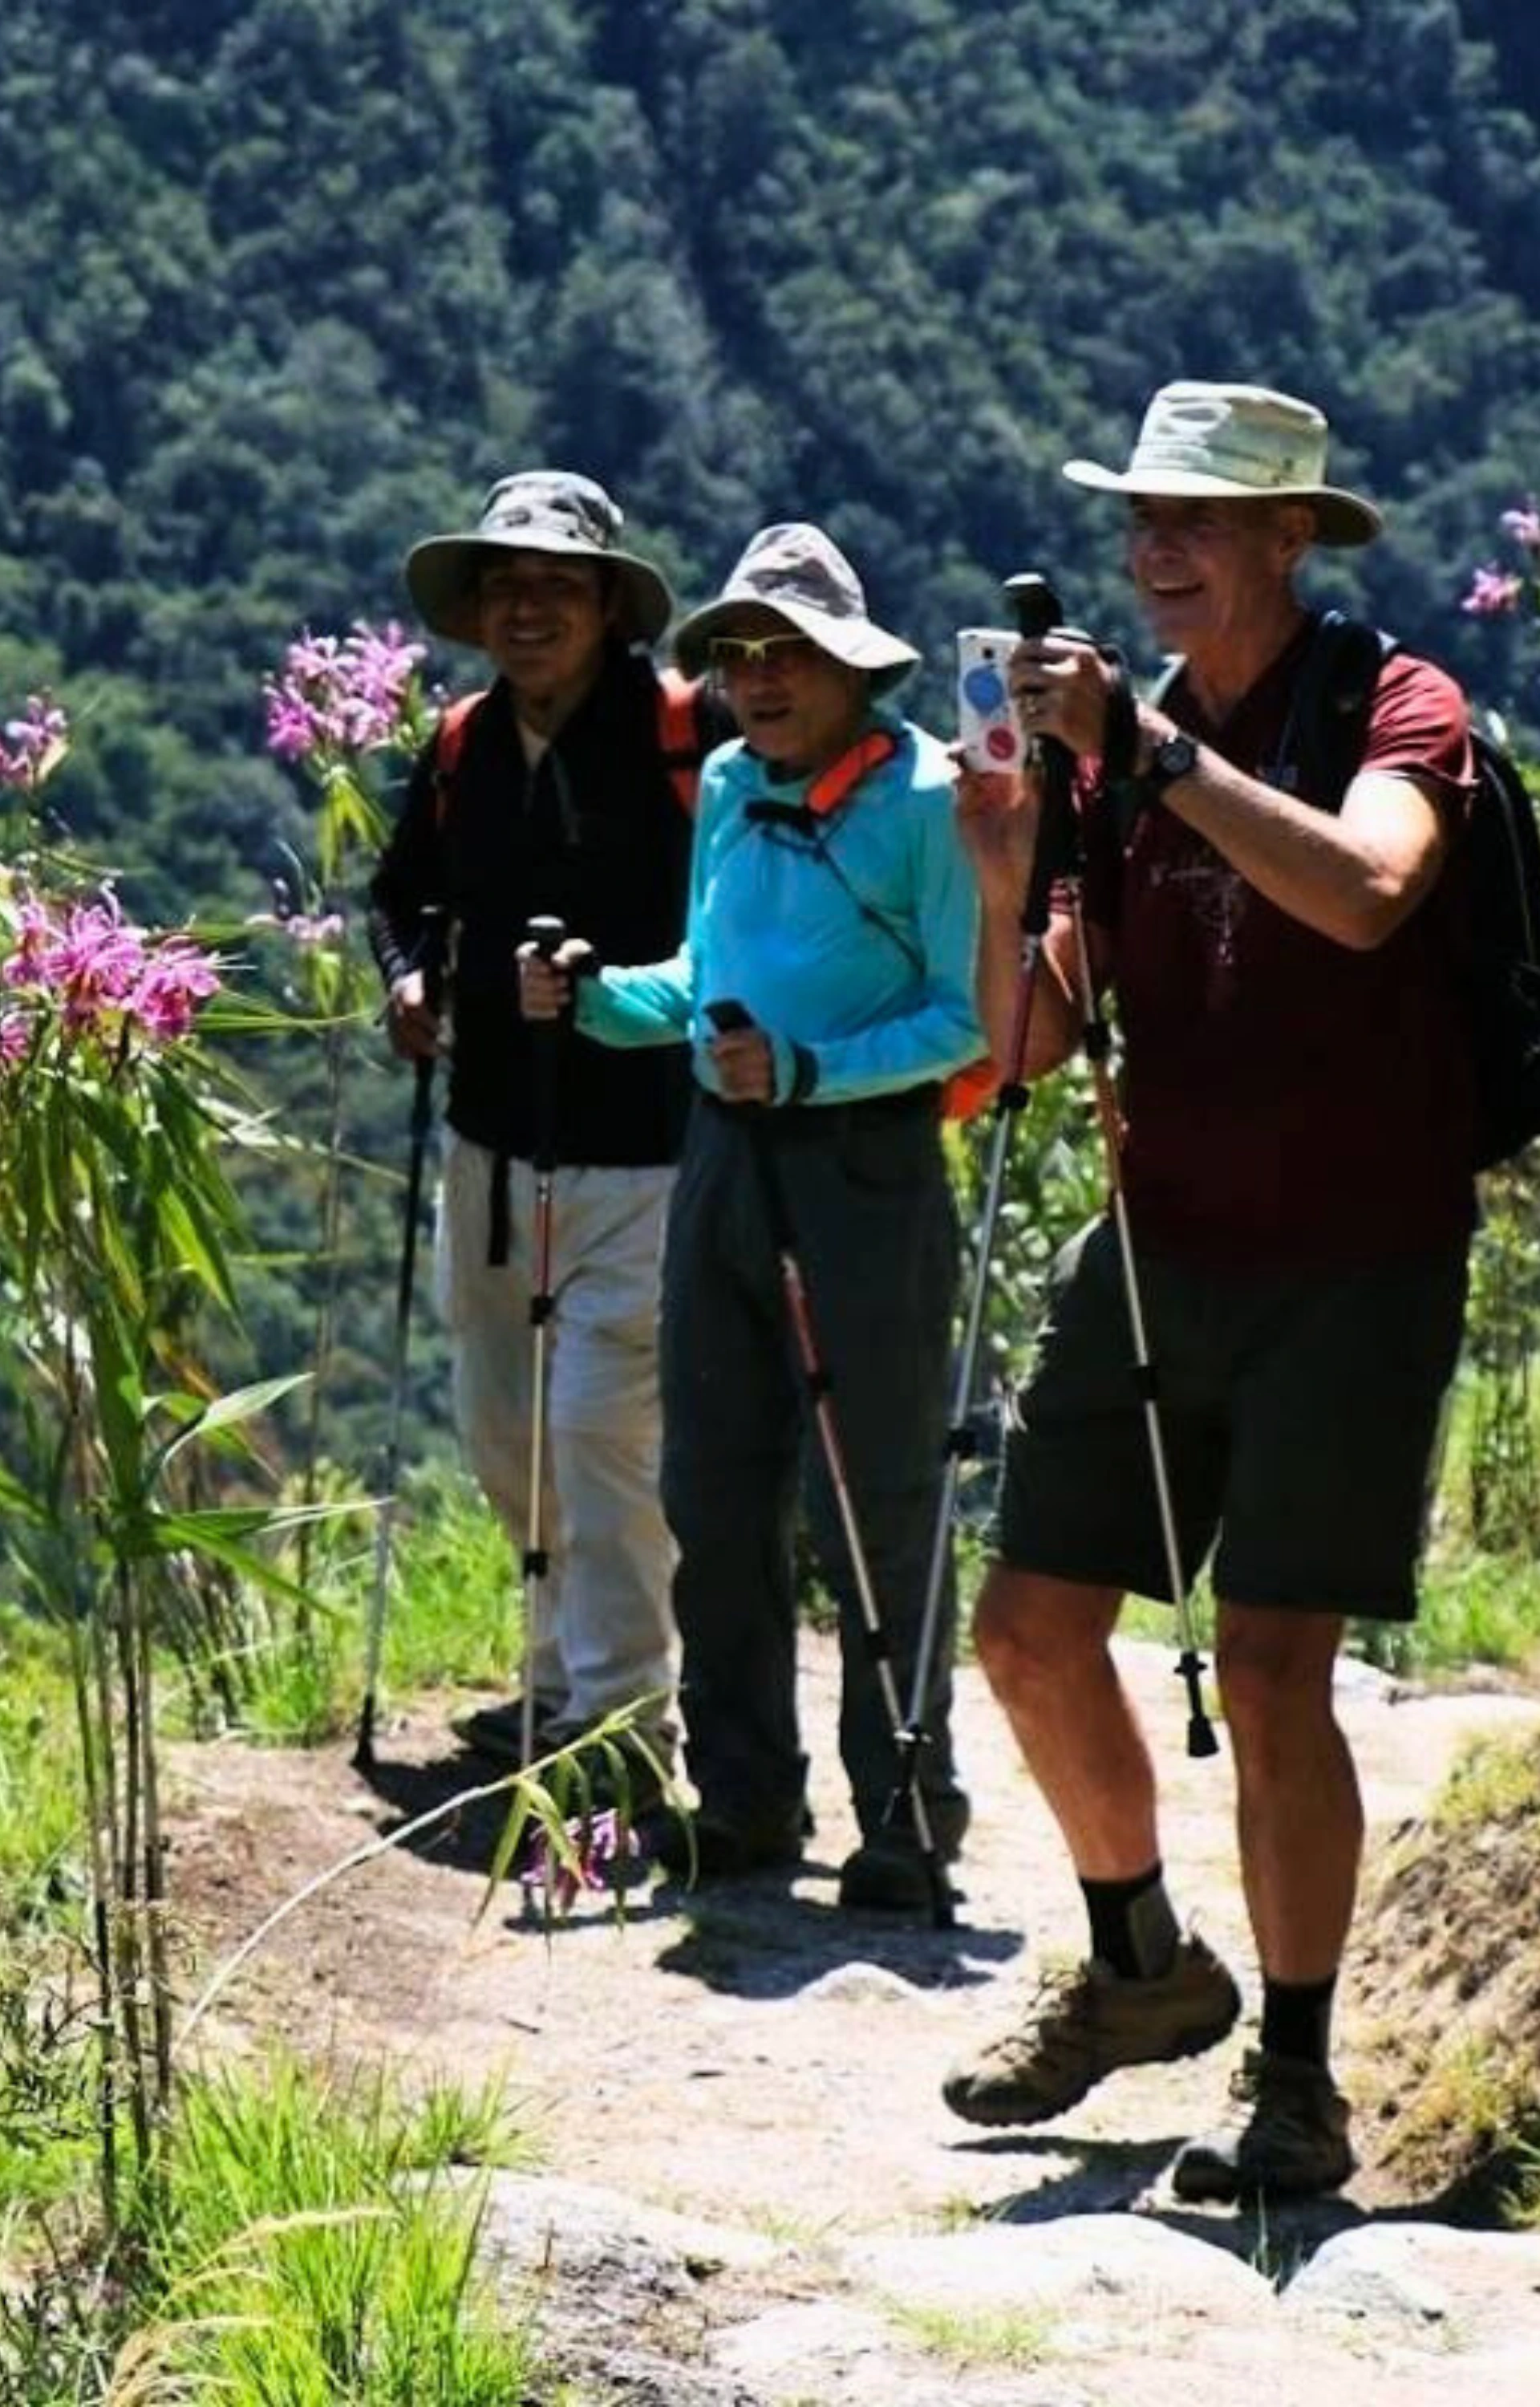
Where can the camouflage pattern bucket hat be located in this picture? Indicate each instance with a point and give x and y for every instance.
(1238, 442)
(540, 510)
(795, 570)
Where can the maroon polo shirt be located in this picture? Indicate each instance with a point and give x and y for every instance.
(1288, 1101)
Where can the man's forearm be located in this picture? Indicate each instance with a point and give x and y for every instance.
(1351, 876)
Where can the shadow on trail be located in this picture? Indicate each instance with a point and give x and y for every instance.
(464, 1841)
(1277, 2236)
(467, 1840)
(764, 1937)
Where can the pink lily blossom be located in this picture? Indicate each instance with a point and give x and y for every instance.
(600, 1841)
(1493, 590)
(33, 744)
(101, 973)
(341, 697)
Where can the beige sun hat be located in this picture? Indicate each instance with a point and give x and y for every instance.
(1238, 441)
(539, 509)
(795, 570)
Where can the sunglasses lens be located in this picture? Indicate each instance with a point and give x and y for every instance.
(746, 651)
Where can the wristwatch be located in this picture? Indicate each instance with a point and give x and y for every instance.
(1174, 756)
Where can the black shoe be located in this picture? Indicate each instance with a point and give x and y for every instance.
(889, 1874)
(497, 1731)
(718, 1847)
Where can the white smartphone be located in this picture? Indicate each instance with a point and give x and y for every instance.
(987, 725)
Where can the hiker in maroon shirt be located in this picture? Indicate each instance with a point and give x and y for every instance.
(1297, 1098)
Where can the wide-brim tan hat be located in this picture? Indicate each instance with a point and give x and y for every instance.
(542, 510)
(795, 570)
(1240, 442)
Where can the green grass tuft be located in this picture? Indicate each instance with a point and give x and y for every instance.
(307, 2240)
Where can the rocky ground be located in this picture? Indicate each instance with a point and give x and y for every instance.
(751, 2190)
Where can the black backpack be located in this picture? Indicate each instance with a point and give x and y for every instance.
(1323, 746)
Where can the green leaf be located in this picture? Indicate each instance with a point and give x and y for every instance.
(240, 1404)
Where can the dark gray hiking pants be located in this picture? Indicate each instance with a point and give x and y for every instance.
(876, 1238)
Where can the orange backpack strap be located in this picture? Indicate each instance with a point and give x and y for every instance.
(449, 745)
(679, 735)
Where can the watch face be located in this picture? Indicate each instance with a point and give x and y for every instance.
(1176, 756)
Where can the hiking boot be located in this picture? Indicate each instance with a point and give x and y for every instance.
(1286, 2136)
(497, 1731)
(888, 1874)
(711, 1845)
(1085, 2022)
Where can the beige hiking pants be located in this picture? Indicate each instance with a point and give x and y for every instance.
(605, 1633)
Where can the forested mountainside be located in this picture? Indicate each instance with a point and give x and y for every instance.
(285, 282)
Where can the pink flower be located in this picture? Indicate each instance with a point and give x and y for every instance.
(171, 984)
(32, 746)
(600, 1842)
(99, 972)
(341, 697)
(24, 966)
(94, 963)
(1523, 526)
(310, 929)
(15, 1039)
(1493, 590)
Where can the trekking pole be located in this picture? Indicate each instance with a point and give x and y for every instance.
(547, 935)
(819, 1385)
(1035, 614)
(1201, 1740)
(430, 960)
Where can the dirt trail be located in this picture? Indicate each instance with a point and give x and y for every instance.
(752, 2054)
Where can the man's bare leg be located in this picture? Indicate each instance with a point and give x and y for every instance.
(1301, 1828)
(1044, 1644)
(1300, 1816)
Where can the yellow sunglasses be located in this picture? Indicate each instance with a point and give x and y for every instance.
(757, 651)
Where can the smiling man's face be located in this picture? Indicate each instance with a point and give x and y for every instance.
(1205, 570)
(544, 620)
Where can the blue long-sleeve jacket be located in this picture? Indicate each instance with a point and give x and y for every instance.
(852, 949)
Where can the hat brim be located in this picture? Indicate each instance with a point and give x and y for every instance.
(857, 642)
(1342, 518)
(442, 578)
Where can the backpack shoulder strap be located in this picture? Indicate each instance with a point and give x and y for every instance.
(1328, 724)
(449, 745)
(679, 735)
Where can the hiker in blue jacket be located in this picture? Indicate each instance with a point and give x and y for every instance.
(830, 900)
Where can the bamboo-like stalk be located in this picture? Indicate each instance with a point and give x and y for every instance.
(154, 1874)
(326, 1310)
(131, 1980)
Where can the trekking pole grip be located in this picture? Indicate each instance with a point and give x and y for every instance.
(546, 934)
(1040, 612)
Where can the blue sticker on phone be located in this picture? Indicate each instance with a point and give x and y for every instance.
(984, 688)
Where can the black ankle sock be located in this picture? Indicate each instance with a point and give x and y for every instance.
(1133, 1927)
(1296, 2019)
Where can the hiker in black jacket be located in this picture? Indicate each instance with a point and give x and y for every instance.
(559, 802)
